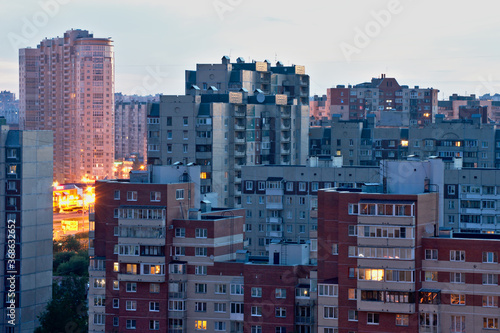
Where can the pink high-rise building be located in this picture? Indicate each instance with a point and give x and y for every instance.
(66, 85)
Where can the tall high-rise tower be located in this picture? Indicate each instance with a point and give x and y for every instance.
(66, 85)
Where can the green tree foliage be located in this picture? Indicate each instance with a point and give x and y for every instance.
(67, 311)
(69, 263)
(70, 243)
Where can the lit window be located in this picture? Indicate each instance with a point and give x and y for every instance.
(200, 324)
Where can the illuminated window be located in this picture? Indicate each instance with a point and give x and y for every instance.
(116, 267)
(203, 175)
(457, 299)
(200, 324)
(402, 320)
(404, 143)
(490, 323)
(371, 274)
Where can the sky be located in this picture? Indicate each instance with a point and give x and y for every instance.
(449, 45)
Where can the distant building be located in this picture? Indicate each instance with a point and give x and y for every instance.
(65, 82)
(26, 209)
(463, 107)
(281, 201)
(362, 142)
(221, 130)
(385, 98)
(9, 107)
(130, 126)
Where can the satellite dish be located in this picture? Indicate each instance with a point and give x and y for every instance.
(429, 229)
(261, 98)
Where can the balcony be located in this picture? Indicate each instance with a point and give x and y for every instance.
(299, 320)
(177, 314)
(179, 295)
(239, 127)
(285, 138)
(142, 241)
(142, 222)
(141, 278)
(386, 307)
(285, 151)
(177, 330)
(239, 140)
(274, 234)
(236, 317)
(239, 153)
(274, 205)
(285, 125)
(277, 220)
(285, 113)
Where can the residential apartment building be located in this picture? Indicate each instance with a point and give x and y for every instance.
(66, 81)
(255, 77)
(130, 126)
(385, 98)
(459, 291)
(363, 142)
(26, 209)
(371, 245)
(9, 107)
(223, 132)
(460, 107)
(471, 200)
(281, 201)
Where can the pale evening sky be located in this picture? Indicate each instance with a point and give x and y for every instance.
(449, 45)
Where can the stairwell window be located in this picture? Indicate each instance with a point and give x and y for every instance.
(179, 194)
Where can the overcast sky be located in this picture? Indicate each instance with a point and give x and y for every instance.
(449, 45)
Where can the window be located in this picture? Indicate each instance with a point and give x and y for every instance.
(490, 323)
(402, 320)
(457, 277)
(116, 285)
(256, 292)
(200, 270)
(154, 288)
(280, 293)
(280, 329)
(99, 301)
(457, 299)
(330, 312)
(491, 279)
(219, 326)
(236, 289)
(200, 288)
(180, 232)
(117, 195)
(201, 251)
(200, 233)
(185, 121)
(352, 315)
(372, 318)
(431, 254)
(289, 186)
(490, 301)
(200, 307)
(302, 186)
(220, 288)
(200, 325)
(457, 324)
(490, 257)
(457, 255)
(237, 308)
(132, 196)
(179, 194)
(154, 306)
(155, 196)
(116, 303)
(131, 287)
(371, 274)
(179, 250)
(335, 249)
(116, 267)
(131, 305)
(99, 283)
(351, 292)
(219, 307)
(330, 290)
(249, 185)
(116, 321)
(280, 312)
(153, 269)
(256, 329)
(353, 230)
(131, 324)
(154, 325)
(176, 306)
(431, 276)
(256, 311)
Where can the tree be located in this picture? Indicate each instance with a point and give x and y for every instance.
(77, 265)
(70, 243)
(67, 311)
